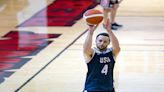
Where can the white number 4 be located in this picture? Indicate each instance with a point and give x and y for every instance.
(105, 69)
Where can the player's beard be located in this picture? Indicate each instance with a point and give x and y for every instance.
(102, 48)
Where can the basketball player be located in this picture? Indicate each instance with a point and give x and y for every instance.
(100, 60)
(112, 7)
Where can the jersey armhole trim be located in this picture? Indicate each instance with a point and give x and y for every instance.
(114, 57)
(93, 54)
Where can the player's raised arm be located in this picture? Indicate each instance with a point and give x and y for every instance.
(113, 39)
(87, 46)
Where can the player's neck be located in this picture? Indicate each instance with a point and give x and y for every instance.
(102, 50)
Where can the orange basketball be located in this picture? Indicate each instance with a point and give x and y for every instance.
(93, 17)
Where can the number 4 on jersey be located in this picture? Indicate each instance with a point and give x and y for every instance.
(105, 69)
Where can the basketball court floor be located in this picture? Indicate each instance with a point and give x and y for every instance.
(41, 45)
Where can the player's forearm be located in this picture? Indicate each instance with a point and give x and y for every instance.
(115, 42)
(88, 42)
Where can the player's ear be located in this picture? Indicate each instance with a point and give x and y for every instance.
(109, 42)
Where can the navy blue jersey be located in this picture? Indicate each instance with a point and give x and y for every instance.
(100, 71)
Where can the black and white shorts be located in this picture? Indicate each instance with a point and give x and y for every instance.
(112, 2)
(108, 4)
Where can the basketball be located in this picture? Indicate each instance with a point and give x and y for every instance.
(93, 17)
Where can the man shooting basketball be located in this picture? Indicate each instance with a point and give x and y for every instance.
(100, 60)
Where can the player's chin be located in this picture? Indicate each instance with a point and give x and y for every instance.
(102, 48)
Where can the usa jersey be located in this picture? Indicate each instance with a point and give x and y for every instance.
(100, 71)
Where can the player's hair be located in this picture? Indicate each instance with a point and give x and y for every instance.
(103, 34)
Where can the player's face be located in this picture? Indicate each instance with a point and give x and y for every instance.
(102, 42)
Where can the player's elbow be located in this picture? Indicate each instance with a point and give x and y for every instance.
(118, 49)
